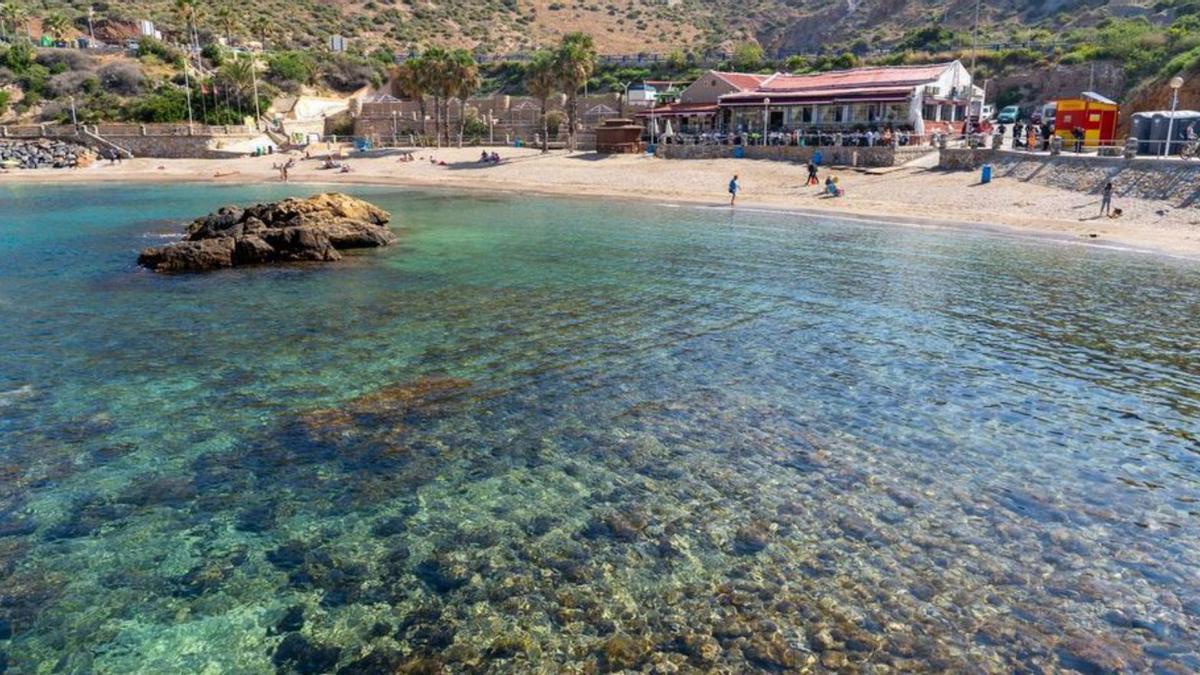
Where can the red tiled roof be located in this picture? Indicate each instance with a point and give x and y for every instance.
(743, 81)
(896, 93)
(884, 76)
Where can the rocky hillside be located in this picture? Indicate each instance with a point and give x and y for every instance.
(630, 26)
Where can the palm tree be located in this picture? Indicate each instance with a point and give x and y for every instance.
(409, 82)
(259, 27)
(541, 80)
(227, 19)
(237, 74)
(188, 11)
(464, 75)
(576, 61)
(14, 14)
(436, 78)
(56, 24)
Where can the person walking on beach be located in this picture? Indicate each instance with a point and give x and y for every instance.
(812, 174)
(733, 189)
(1106, 200)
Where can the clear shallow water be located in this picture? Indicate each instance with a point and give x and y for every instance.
(550, 435)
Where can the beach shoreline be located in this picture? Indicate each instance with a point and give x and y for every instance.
(908, 197)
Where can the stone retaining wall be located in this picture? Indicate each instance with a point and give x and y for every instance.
(179, 147)
(1173, 181)
(832, 155)
(168, 141)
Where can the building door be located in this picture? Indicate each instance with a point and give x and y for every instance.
(776, 119)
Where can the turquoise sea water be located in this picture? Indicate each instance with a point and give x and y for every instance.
(562, 436)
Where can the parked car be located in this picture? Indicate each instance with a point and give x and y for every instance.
(988, 112)
(1009, 115)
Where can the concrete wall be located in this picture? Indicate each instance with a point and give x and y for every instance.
(1175, 182)
(169, 141)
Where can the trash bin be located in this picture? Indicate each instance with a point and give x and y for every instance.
(739, 152)
(987, 174)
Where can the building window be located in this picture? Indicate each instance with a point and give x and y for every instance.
(930, 113)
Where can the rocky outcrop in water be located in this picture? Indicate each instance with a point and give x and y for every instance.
(293, 230)
(43, 154)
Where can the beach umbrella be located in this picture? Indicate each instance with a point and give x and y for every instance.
(668, 131)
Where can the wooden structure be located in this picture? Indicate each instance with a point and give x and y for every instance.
(1097, 115)
(619, 135)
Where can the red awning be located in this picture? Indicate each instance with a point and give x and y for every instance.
(681, 110)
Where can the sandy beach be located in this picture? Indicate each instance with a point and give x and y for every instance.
(912, 194)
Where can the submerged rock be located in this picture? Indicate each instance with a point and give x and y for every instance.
(293, 230)
(622, 652)
(297, 655)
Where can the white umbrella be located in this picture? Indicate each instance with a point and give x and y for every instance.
(668, 132)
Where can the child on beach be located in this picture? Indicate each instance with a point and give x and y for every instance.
(1106, 200)
(733, 189)
(812, 174)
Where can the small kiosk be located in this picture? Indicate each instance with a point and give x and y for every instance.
(618, 136)
(1096, 114)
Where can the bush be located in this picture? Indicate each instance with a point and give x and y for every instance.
(34, 78)
(747, 56)
(19, 57)
(214, 53)
(122, 78)
(167, 104)
(151, 47)
(62, 60)
(71, 83)
(4, 96)
(346, 74)
(931, 38)
(296, 66)
(55, 111)
(1187, 61)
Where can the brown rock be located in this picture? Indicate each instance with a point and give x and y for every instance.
(311, 229)
(189, 256)
(621, 652)
(833, 660)
(252, 250)
(772, 651)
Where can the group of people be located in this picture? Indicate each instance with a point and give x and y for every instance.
(284, 168)
(1031, 136)
(831, 189)
(861, 138)
(485, 158)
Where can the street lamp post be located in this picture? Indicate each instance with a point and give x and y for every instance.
(395, 113)
(1176, 83)
(74, 119)
(766, 103)
(254, 79)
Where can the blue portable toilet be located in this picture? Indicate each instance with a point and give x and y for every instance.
(1139, 128)
(986, 177)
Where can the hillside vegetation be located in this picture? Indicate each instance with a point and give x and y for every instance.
(1146, 40)
(619, 26)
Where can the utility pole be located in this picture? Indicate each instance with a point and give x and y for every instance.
(187, 84)
(974, 56)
